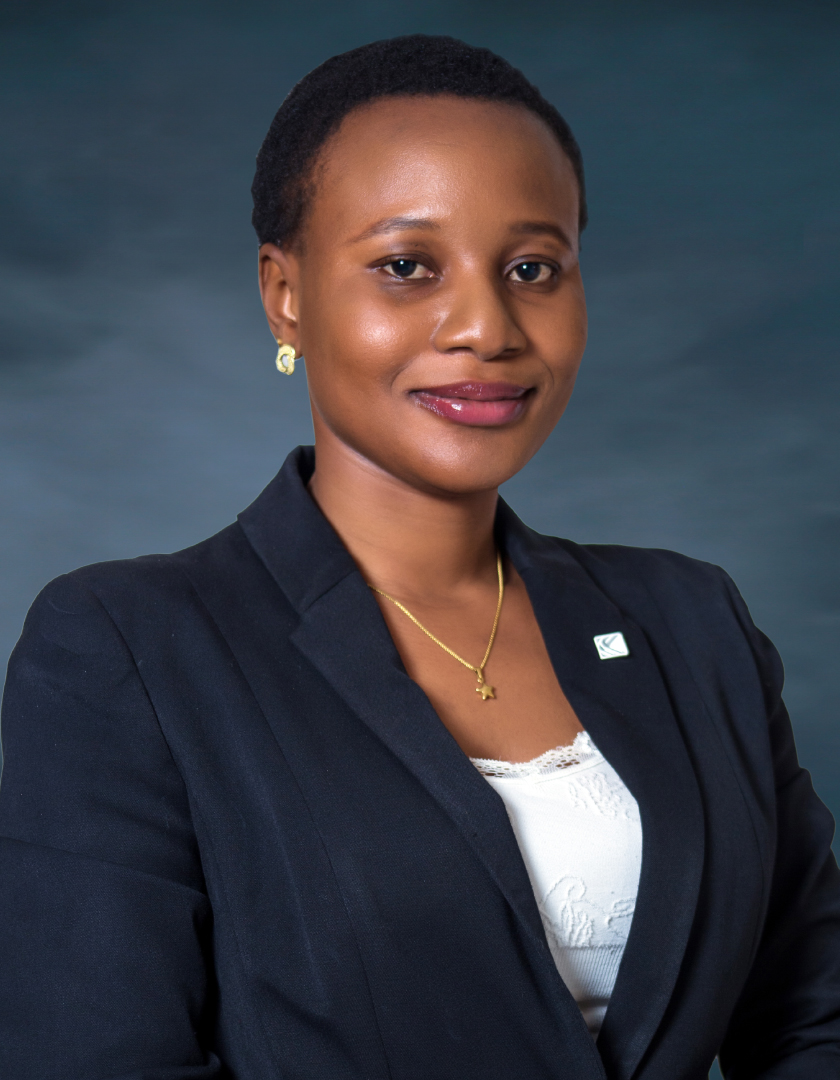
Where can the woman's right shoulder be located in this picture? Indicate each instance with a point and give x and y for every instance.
(87, 766)
(151, 584)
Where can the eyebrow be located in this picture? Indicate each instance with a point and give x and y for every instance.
(524, 228)
(394, 224)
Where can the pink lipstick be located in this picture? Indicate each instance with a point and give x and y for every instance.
(478, 404)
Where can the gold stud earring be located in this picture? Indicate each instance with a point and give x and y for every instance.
(285, 358)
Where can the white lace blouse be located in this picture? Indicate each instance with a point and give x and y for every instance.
(580, 834)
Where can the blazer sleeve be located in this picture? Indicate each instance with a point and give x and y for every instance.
(787, 1023)
(104, 919)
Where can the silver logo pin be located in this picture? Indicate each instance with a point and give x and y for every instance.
(611, 645)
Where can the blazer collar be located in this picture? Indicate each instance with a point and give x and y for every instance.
(293, 538)
(623, 703)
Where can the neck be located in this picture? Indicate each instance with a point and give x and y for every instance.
(405, 541)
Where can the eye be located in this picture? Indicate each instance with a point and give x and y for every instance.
(407, 269)
(532, 273)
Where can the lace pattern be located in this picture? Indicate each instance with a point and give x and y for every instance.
(581, 751)
(602, 793)
(577, 921)
(579, 830)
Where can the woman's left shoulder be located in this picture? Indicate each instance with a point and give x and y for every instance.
(659, 569)
(669, 577)
(697, 600)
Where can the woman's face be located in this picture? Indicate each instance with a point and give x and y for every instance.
(436, 291)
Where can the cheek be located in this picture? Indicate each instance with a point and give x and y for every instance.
(378, 336)
(568, 333)
(560, 342)
(357, 334)
(358, 345)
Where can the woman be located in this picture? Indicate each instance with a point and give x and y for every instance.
(243, 833)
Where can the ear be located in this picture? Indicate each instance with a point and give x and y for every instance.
(279, 273)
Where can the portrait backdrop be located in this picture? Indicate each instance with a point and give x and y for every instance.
(139, 401)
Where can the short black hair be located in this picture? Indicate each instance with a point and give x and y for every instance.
(418, 64)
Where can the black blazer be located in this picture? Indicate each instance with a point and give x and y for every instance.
(238, 841)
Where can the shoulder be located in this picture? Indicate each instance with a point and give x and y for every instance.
(668, 576)
(672, 579)
(103, 592)
(651, 586)
(623, 572)
(657, 566)
(78, 680)
(87, 766)
(682, 587)
(697, 601)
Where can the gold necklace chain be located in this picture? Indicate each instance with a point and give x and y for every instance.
(483, 688)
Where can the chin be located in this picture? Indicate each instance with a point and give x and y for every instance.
(467, 470)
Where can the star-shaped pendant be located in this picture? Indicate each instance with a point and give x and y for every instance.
(486, 691)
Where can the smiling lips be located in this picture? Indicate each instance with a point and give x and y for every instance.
(479, 404)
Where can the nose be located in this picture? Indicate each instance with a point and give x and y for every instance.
(478, 318)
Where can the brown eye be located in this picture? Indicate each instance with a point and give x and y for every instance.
(406, 269)
(532, 273)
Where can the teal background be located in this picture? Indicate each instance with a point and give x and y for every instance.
(139, 407)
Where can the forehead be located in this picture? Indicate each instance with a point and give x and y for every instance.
(445, 156)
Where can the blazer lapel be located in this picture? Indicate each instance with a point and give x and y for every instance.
(368, 673)
(320, 579)
(624, 704)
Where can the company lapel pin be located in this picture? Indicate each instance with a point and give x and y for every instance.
(611, 645)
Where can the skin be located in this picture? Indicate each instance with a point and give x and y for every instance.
(468, 191)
